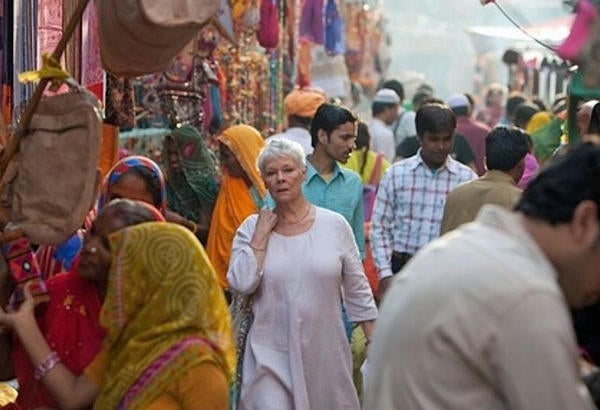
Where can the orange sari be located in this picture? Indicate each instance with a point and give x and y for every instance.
(235, 201)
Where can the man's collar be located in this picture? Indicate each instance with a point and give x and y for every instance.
(498, 176)
(451, 165)
(311, 171)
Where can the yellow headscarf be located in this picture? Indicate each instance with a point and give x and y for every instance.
(246, 142)
(234, 202)
(164, 313)
(537, 121)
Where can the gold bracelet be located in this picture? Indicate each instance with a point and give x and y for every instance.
(191, 225)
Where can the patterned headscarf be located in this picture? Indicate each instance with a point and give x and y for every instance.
(199, 182)
(164, 313)
(124, 165)
(246, 142)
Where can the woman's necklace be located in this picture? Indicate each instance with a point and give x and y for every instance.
(299, 220)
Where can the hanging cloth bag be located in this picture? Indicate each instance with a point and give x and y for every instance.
(50, 188)
(140, 37)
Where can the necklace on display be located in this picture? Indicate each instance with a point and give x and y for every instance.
(299, 220)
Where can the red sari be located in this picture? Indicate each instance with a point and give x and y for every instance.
(70, 324)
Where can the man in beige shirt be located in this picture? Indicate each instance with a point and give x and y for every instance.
(479, 319)
(505, 161)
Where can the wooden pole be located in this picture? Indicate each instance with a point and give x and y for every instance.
(25, 120)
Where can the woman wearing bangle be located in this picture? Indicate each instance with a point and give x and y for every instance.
(168, 339)
(69, 322)
(299, 262)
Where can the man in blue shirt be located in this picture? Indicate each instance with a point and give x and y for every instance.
(333, 133)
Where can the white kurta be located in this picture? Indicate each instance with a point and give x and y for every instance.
(297, 354)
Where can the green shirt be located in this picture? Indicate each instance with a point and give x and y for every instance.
(341, 194)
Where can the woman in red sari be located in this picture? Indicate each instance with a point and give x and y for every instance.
(70, 320)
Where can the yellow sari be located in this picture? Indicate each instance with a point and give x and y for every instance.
(235, 201)
(164, 314)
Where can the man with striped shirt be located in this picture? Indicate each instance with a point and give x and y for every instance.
(412, 194)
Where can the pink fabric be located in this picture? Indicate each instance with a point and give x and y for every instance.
(475, 133)
(531, 167)
(580, 31)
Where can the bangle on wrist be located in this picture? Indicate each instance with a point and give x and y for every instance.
(258, 248)
(191, 225)
(48, 364)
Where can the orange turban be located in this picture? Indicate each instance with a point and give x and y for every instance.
(303, 102)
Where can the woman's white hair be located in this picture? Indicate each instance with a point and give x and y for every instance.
(281, 147)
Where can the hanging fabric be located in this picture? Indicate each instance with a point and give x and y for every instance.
(25, 51)
(73, 52)
(92, 74)
(335, 41)
(311, 21)
(268, 27)
(120, 109)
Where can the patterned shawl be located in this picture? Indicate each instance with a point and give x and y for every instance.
(197, 185)
(164, 313)
(124, 165)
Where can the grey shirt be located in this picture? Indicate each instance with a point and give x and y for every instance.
(476, 320)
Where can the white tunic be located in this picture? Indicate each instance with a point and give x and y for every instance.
(297, 354)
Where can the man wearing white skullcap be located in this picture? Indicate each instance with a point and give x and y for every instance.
(385, 111)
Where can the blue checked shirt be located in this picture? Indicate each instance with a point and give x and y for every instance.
(342, 194)
(409, 207)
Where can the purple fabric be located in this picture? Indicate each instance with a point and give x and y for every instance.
(531, 167)
(311, 22)
(335, 41)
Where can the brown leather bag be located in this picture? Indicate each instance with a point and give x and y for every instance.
(143, 36)
(50, 187)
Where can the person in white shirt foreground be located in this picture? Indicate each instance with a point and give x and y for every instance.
(479, 318)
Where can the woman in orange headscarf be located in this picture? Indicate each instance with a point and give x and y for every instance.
(242, 192)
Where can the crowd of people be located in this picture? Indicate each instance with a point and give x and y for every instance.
(439, 256)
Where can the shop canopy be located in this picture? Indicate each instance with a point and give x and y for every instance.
(552, 32)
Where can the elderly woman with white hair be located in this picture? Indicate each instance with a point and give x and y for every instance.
(298, 262)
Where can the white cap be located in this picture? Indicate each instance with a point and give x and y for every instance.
(457, 100)
(386, 95)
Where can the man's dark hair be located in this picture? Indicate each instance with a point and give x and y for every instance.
(461, 111)
(554, 194)
(327, 118)
(504, 148)
(379, 107)
(512, 103)
(131, 212)
(298, 121)
(435, 118)
(539, 103)
(471, 100)
(419, 99)
(396, 86)
(523, 114)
